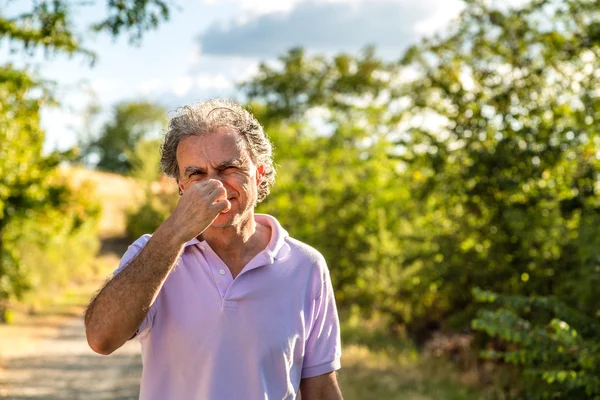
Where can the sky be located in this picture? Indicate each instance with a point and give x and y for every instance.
(208, 46)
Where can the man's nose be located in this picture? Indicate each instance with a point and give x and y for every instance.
(216, 175)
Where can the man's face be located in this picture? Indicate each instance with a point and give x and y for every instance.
(222, 155)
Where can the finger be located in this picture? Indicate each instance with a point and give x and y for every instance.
(223, 206)
(218, 194)
(213, 185)
(206, 186)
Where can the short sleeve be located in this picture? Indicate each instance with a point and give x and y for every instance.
(323, 348)
(132, 251)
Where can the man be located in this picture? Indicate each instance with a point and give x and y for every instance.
(226, 305)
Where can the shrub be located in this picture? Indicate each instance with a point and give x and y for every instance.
(56, 245)
(556, 347)
(160, 200)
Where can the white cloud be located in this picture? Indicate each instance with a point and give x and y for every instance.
(444, 12)
(183, 85)
(194, 54)
(322, 26)
(260, 7)
(151, 86)
(105, 86)
(65, 122)
(326, 25)
(217, 82)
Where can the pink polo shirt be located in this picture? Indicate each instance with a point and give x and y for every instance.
(209, 336)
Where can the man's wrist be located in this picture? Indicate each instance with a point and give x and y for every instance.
(170, 234)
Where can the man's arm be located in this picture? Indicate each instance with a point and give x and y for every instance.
(118, 310)
(322, 387)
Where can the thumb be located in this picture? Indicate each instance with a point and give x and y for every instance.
(227, 206)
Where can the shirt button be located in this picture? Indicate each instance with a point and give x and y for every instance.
(222, 272)
(202, 248)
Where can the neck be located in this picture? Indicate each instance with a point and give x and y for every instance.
(237, 245)
(235, 238)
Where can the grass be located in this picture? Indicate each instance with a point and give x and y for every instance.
(376, 365)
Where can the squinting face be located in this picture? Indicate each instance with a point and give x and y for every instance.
(221, 155)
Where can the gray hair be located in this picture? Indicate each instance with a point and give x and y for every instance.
(207, 116)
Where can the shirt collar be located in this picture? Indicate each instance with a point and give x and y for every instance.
(277, 247)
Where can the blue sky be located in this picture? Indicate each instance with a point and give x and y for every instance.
(209, 45)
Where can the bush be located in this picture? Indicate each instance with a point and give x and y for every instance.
(47, 227)
(160, 200)
(556, 347)
(55, 246)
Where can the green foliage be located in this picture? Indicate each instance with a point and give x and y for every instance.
(342, 199)
(306, 82)
(41, 218)
(36, 208)
(23, 169)
(154, 210)
(49, 24)
(556, 346)
(145, 160)
(337, 188)
(56, 244)
(116, 147)
(471, 163)
(160, 196)
(137, 16)
(507, 167)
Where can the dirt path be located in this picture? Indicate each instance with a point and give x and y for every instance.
(46, 356)
(62, 366)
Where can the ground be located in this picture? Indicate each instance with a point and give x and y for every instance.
(62, 366)
(46, 355)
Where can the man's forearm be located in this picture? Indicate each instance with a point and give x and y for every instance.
(120, 307)
(322, 387)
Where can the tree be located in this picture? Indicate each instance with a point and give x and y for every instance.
(132, 123)
(337, 186)
(484, 148)
(49, 24)
(28, 189)
(22, 167)
(302, 82)
(510, 168)
(508, 178)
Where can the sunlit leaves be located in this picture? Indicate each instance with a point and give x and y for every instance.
(50, 24)
(559, 354)
(117, 147)
(31, 195)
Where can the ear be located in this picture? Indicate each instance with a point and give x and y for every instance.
(179, 186)
(260, 173)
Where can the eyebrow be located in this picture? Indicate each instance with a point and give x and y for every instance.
(192, 169)
(236, 162)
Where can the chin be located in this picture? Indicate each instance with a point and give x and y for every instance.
(223, 221)
(232, 218)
